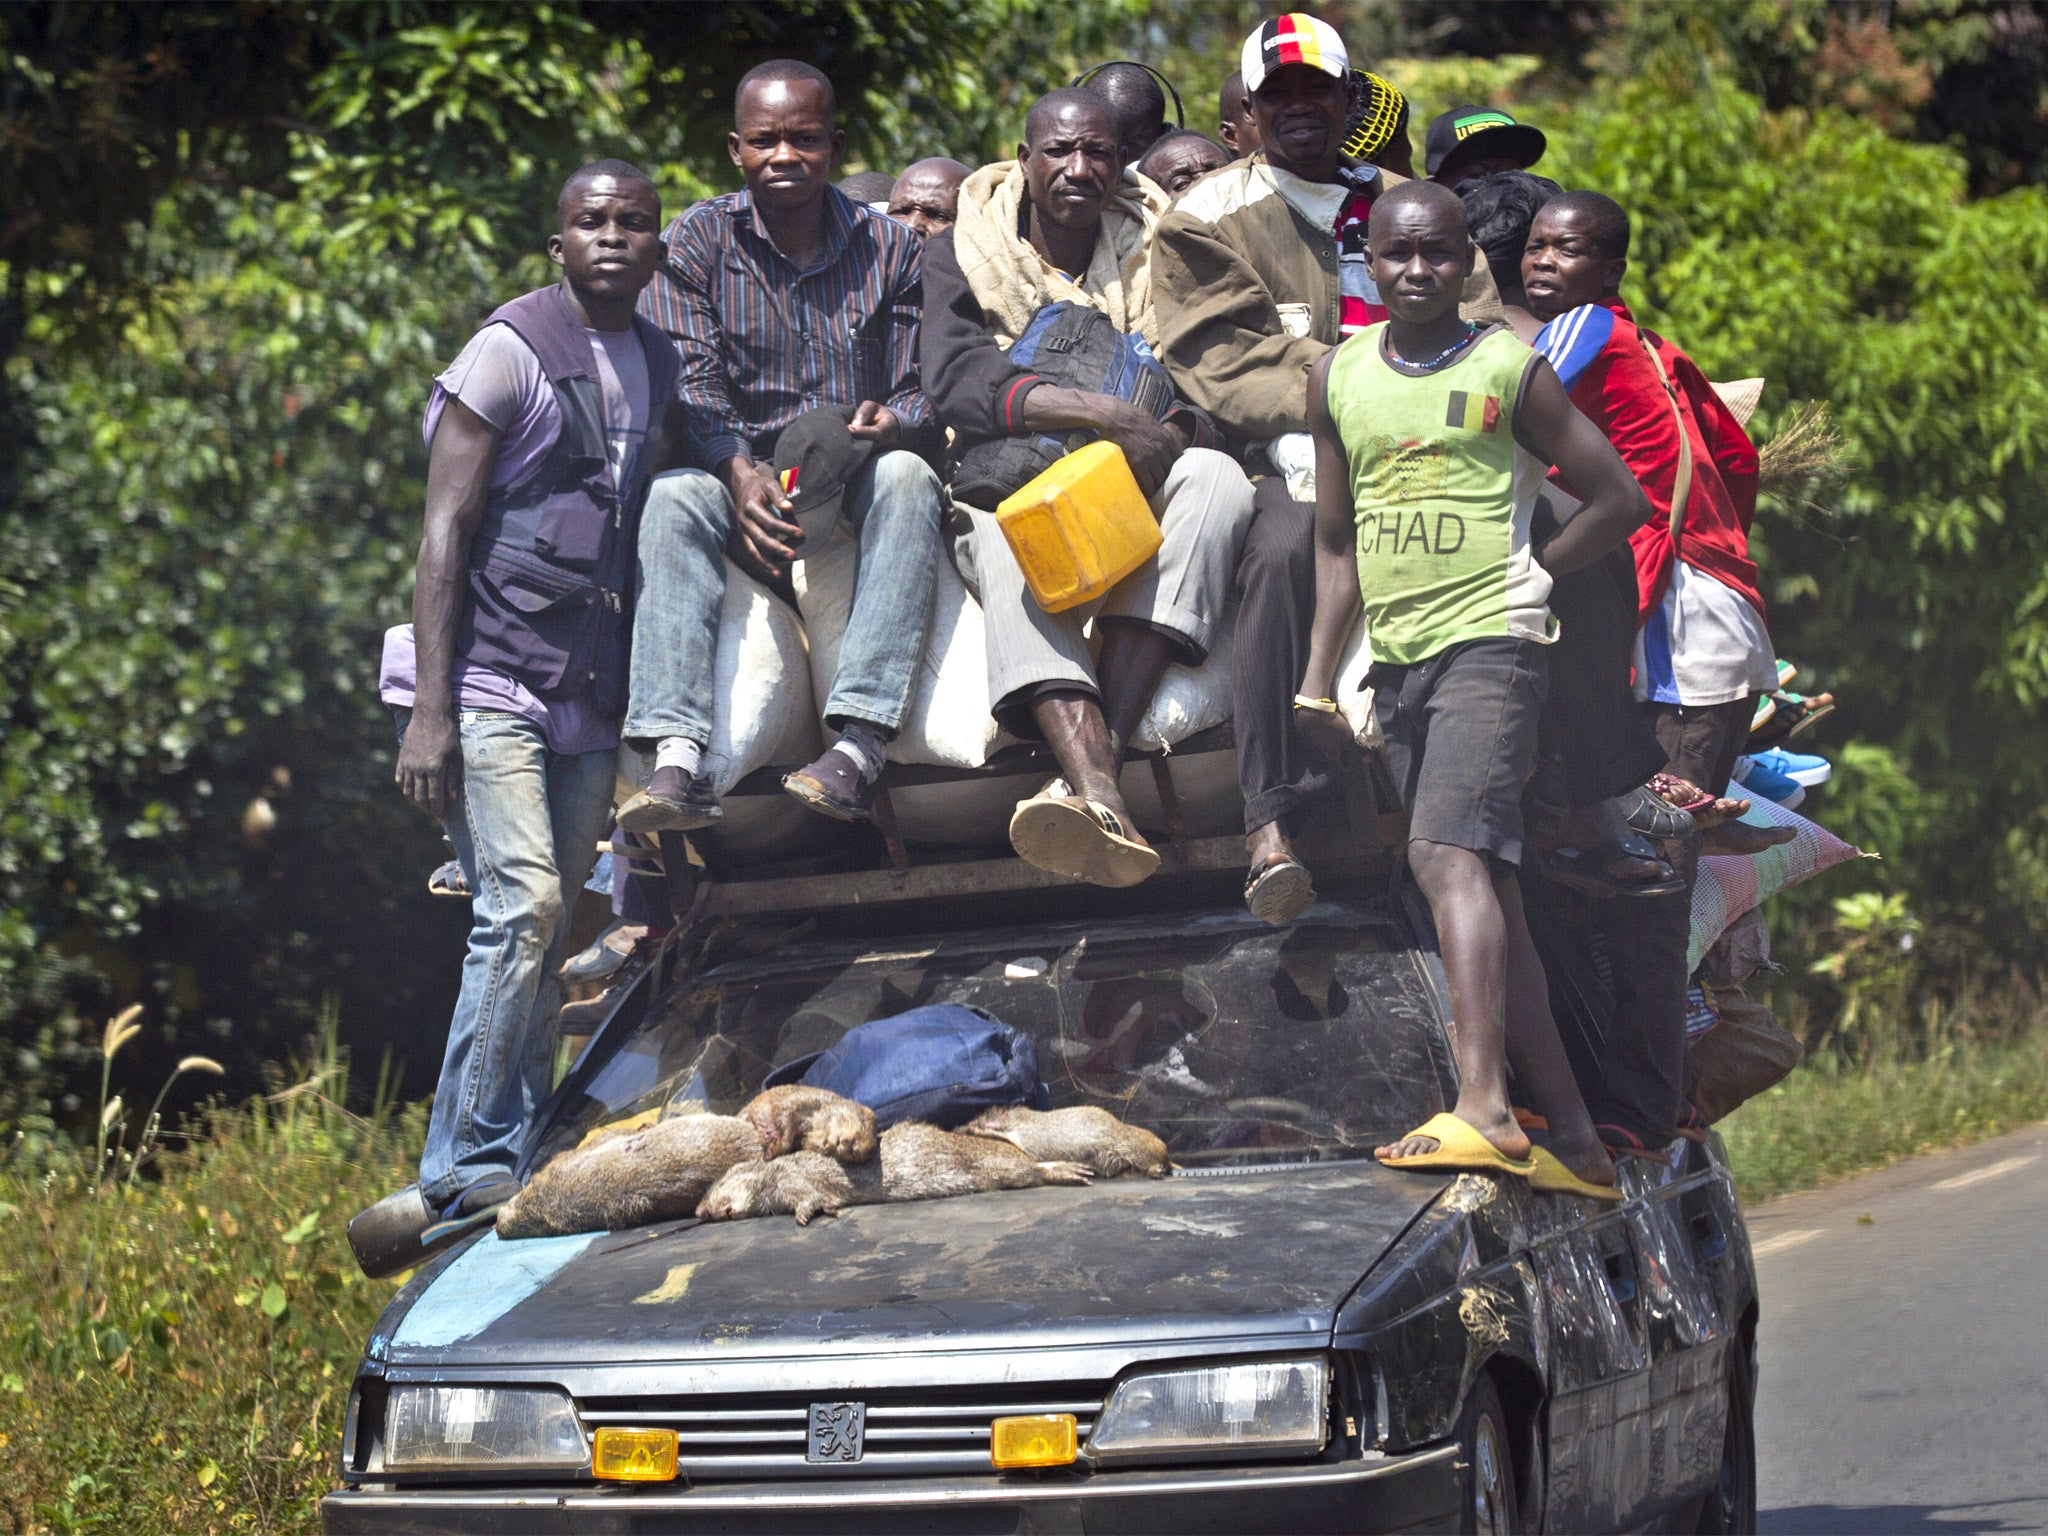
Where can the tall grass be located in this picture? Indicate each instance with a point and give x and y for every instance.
(1912, 1071)
(176, 1348)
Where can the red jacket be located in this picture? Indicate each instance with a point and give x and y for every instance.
(1598, 355)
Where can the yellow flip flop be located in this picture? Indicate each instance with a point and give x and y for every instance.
(1459, 1147)
(1553, 1178)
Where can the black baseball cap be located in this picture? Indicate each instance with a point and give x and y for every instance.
(1480, 131)
(815, 457)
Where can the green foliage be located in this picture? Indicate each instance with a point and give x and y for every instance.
(218, 523)
(1831, 1119)
(217, 513)
(1848, 266)
(215, 367)
(175, 1355)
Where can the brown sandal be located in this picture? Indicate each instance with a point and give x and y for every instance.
(1706, 811)
(1280, 889)
(1059, 832)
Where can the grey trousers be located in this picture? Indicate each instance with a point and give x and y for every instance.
(1204, 508)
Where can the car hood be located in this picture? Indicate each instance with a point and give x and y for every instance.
(1216, 1257)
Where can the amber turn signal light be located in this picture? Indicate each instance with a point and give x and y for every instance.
(1033, 1440)
(634, 1455)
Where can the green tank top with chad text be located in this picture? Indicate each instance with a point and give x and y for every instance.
(1443, 494)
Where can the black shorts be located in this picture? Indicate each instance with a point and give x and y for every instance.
(1461, 740)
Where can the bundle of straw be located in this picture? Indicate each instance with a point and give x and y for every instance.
(1808, 452)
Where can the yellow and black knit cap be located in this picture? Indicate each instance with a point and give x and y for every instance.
(1378, 112)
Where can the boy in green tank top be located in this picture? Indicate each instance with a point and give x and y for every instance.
(1432, 438)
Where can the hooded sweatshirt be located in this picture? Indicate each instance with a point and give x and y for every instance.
(984, 280)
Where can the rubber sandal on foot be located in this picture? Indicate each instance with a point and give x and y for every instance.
(1585, 869)
(1080, 839)
(1459, 1148)
(1620, 1141)
(1553, 1178)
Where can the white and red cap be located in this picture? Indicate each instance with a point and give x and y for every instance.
(1296, 38)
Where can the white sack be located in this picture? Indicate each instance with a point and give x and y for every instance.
(1192, 699)
(1205, 783)
(971, 814)
(1354, 699)
(762, 715)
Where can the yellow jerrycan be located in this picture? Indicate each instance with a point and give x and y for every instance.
(1079, 528)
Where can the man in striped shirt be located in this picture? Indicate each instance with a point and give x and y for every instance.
(782, 298)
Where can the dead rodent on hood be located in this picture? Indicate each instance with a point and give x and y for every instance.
(914, 1162)
(1083, 1133)
(656, 1173)
(792, 1118)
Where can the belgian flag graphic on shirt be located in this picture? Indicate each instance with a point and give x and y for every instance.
(1475, 413)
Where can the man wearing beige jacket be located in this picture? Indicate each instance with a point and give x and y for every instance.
(1064, 224)
(1256, 274)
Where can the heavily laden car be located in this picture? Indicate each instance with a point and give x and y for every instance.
(1283, 1335)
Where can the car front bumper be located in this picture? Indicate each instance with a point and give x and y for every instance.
(1415, 1492)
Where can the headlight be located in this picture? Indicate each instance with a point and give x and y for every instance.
(1264, 1407)
(481, 1429)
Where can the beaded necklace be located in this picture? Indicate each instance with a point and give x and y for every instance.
(1471, 330)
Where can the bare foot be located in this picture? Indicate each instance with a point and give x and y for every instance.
(1719, 814)
(1740, 839)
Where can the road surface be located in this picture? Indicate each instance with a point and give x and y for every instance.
(1903, 1349)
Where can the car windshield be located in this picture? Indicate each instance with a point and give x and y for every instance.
(1235, 1042)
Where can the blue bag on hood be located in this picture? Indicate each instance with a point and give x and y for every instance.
(942, 1064)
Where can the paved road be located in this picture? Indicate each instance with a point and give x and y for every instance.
(1903, 1352)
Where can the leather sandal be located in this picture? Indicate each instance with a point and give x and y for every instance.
(1280, 889)
(1061, 833)
(1652, 814)
(1706, 810)
(1586, 869)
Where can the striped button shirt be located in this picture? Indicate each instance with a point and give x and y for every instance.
(761, 342)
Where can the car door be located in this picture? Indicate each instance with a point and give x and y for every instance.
(1599, 1372)
(1680, 1237)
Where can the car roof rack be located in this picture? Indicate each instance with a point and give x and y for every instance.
(1359, 829)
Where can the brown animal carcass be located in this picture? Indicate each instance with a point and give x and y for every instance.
(913, 1162)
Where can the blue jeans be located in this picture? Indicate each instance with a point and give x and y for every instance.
(892, 505)
(678, 594)
(526, 833)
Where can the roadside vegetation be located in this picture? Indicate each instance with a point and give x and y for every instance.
(178, 1329)
(1916, 1069)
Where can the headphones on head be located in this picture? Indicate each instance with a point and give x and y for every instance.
(1180, 117)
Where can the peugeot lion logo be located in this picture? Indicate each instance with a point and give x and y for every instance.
(837, 1430)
